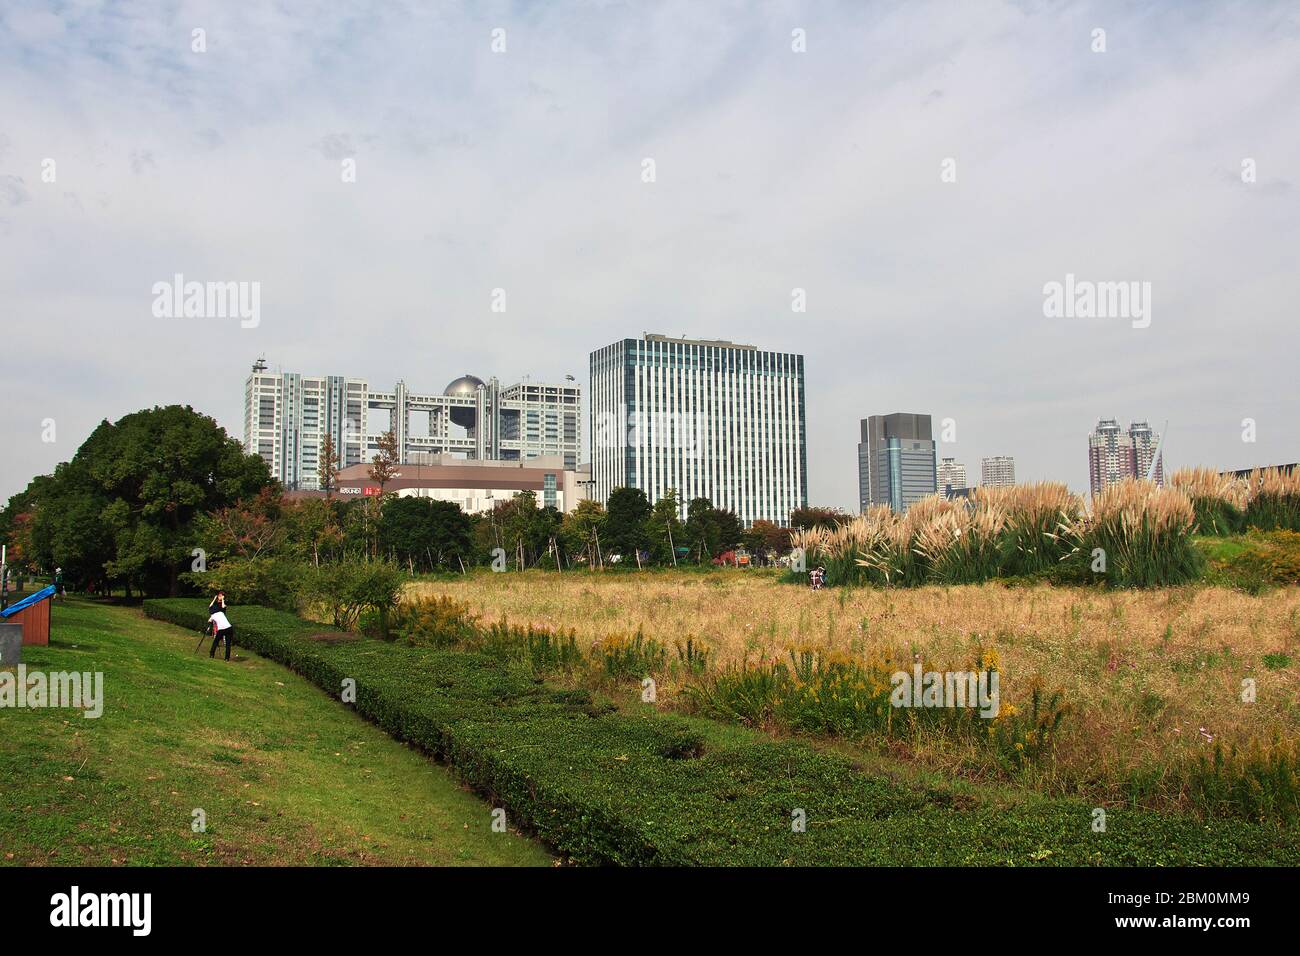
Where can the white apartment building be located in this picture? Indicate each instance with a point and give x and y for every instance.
(710, 419)
(998, 471)
(950, 474)
(287, 417)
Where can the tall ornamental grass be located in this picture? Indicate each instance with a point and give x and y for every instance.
(1218, 500)
(1138, 534)
(1274, 500)
(1134, 534)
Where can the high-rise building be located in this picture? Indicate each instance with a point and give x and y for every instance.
(709, 419)
(951, 475)
(287, 417)
(896, 461)
(1146, 447)
(998, 471)
(1114, 455)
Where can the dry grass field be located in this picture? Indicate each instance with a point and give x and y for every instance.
(1151, 677)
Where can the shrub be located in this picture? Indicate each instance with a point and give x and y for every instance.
(607, 787)
(349, 587)
(269, 582)
(963, 545)
(839, 695)
(1260, 783)
(693, 656)
(433, 621)
(1260, 560)
(1023, 735)
(1274, 500)
(631, 658)
(1036, 514)
(1217, 500)
(540, 648)
(999, 532)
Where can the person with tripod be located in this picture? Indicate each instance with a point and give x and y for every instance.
(221, 629)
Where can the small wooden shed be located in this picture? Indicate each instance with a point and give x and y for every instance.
(33, 613)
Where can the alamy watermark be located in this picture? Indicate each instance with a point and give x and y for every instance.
(179, 299)
(1085, 299)
(946, 689)
(75, 908)
(669, 431)
(37, 690)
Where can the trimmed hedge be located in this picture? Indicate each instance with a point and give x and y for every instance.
(652, 789)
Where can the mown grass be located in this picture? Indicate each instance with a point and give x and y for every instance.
(285, 774)
(632, 785)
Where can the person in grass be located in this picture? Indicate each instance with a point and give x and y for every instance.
(221, 629)
(58, 583)
(218, 602)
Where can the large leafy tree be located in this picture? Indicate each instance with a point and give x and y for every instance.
(424, 533)
(625, 520)
(16, 525)
(710, 531)
(125, 507)
(700, 532)
(728, 529)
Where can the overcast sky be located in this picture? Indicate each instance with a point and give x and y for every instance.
(774, 170)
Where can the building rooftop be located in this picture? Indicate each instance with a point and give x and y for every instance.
(720, 343)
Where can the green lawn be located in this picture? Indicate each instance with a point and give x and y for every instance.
(284, 774)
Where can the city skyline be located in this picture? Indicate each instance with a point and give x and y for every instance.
(901, 220)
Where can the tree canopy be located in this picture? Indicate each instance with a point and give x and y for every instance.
(125, 507)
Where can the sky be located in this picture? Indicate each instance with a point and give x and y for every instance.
(922, 171)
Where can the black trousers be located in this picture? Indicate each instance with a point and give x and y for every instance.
(225, 632)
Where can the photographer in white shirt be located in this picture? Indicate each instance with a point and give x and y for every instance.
(222, 628)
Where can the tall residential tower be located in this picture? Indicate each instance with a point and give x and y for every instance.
(1114, 455)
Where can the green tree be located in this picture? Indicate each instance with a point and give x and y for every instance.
(710, 531)
(765, 538)
(583, 529)
(327, 472)
(728, 530)
(127, 503)
(700, 533)
(523, 530)
(625, 518)
(664, 528)
(815, 516)
(424, 533)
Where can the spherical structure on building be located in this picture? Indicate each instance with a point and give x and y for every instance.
(465, 385)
